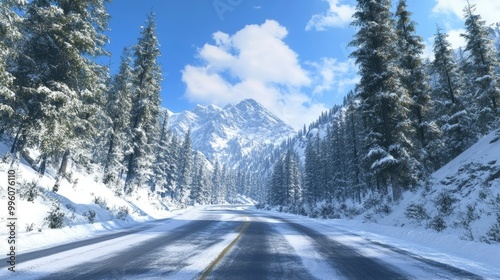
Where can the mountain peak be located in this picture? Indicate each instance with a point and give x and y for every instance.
(227, 134)
(250, 103)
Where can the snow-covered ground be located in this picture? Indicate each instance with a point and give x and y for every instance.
(464, 195)
(85, 196)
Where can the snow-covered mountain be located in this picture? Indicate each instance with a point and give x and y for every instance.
(228, 134)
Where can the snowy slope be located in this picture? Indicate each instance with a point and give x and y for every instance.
(462, 198)
(228, 134)
(88, 206)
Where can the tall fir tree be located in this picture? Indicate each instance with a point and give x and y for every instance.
(10, 23)
(385, 102)
(483, 66)
(117, 134)
(146, 100)
(60, 86)
(185, 167)
(161, 167)
(413, 75)
(450, 101)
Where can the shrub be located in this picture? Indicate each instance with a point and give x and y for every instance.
(445, 202)
(55, 217)
(327, 211)
(101, 202)
(28, 191)
(416, 212)
(437, 223)
(90, 216)
(29, 227)
(122, 213)
(493, 235)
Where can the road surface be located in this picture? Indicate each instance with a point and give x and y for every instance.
(231, 242)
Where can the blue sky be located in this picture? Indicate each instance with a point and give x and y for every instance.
(289, 55)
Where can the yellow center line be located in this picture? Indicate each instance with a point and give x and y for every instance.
(214, 263)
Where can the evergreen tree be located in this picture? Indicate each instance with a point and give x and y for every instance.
(385, 102)
(199, 181)
(484, 63)
(10, 22)
(118, 108)
(311, 186)
(60, 86)
(172, 157)
(449, 98)
(161, 167)
(185, 166)
(413, 75)
(146, 100)
(216, 184)
(277, 191)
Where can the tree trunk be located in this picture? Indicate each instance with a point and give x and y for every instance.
(14, 147)
(43, 165)
(64, 164)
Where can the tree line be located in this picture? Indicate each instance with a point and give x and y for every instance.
(406, 117)
(59, 104)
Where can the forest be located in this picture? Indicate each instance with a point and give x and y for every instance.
(407, 116)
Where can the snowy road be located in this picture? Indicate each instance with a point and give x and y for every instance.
(233, 242)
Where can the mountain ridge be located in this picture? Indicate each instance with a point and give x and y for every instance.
(228, 134)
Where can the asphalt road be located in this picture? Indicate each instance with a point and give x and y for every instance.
(229, 243)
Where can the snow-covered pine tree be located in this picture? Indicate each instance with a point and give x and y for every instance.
(146, 106)
(184, 171)
(413, 75)
(384, 101)
(450, 112)
(216, 183)
(172, 157)
(117, 113)
(161, 166)
(353, 139)
(60, 86)
(10, 23)
(293, 182)
(277, 191)
(199, 181)
(311, 171)
(483, 66)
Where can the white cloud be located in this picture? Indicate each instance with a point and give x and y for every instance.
(455, 39)
(338, 15)
(253, 63)
(488, 9)
(333, 75)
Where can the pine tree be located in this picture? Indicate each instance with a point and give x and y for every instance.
(413, 75)
(385, 102)
(117, 110)
(10, 23)
(60, 85)
(199, 181)
(450, 112)
(484, 63)
(185, 165)
(172, 157)
(277, 191)
(161, 167)
(146, 100)
(311, 186)
(216, 184)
